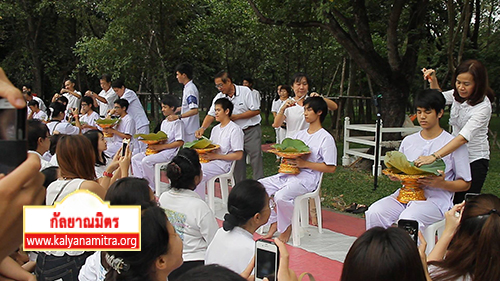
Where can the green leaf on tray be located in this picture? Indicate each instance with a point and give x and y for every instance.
(158, 136)
(291, 145)
(199, 143)
(398, 163)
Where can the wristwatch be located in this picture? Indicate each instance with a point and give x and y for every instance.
(179, 115)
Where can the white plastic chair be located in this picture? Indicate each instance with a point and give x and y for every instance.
(160, 187)
(301, 212)
(430, 233)
(224, 187)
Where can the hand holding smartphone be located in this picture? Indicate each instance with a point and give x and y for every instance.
(266, 260)
(411, 227)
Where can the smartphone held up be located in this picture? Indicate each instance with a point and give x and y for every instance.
(266, 260)
(13, 141)
(411, 227)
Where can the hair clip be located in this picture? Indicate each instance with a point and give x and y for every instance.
(493, 211)
(117, 263)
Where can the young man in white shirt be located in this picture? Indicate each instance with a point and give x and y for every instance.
(135, 109)
(190, 98)
(322, 159)
(87, 120)
(246, 114)
(230, 138)
(142, 165)
(36, 112)
(106, 98)
(70, 93)
(124, 130)
(438, 190)
(28, 96)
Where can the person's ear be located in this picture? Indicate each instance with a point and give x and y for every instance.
(161, 262)
(226, 111)
(440, 114)
(319, 113)
(39, 141)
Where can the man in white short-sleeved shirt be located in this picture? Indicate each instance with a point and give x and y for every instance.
(322, 159)
(106, 98)
(124, 130)
(190, 99)
(70, 93)
(438, 190)
(246, 114)
(142, 165)
(87, 120)
(230, 138)
(135, 109)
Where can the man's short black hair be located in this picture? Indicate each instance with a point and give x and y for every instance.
(118, 83)
(185, 68)
(122, 103)
(106, 77)
(33, 102)
(89, 101)
(249, 80)
(63, 100)
(225, 104)
(171, 101)
(36, 130)
(317, 104)
(224, 76)
(430, 99)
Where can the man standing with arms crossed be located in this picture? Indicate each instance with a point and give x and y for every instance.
(190, 98)
(246, 114)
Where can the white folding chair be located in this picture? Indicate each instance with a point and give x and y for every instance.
(160, 186)
(301, 212)
(430, 233)
(224, 187)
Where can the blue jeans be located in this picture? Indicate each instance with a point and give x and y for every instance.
(67, 268)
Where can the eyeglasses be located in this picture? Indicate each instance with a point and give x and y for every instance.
(83, 104)
(218, 86)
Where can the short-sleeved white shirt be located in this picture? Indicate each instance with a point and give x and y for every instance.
(126, 126)
(93, 270)
(64, 128)
(243, 101)
(41, 104)
(175, 132)
(472, 123)
(135, 109)
(276, 106)
(110, 97)
(73, 102)
(40, 115)
(457, 164)
(295, 121)
(192, 219)
(90, 120)
(190, 100)
(233, 249)
(230, 138)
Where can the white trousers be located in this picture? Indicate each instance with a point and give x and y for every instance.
(209, 170)
(388, 210)
(144, 166)
(284, 188)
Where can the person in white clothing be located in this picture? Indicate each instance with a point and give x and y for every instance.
(28, 95)
(190, 99)
(249, 208)
(188, 213)
(230, 138)
(89, 116)
(322, 159)
(56, 124)
(248, 82)
(106, 98)
(142, 164)
(284, 93)
(246, 114)
(38, 140)
(135, 110)
(439, 189)
(469, 117)
(36, 112)
(124, 130)
(70, 93)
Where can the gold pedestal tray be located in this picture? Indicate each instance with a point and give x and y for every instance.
(411, 190)
(287, 166)
(203, 151)
(150, 151)
(106, 126)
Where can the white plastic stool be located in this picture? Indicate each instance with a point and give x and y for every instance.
(160, 187)
(224, 187)
(301, 212)
(430, 233)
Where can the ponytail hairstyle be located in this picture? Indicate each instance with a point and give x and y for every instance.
(55, 109)
(183, 169)
(246, 199)
(138, 265)
(474, 249)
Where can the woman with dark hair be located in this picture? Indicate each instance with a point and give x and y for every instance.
(57, 125)
(249, 208)
(191, 216)
(385, 254)
(469, 117)
(284, 93)
(161, 251)
(469, 247)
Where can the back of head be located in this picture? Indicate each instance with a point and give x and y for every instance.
(33, 102)
(472, 249)
(225, 104)
(183, 169)
(480, 74)
(129, 191)
(55, 109)
(430, 99)
(154, 242)
(171, 101)
(383, 254)
(51, 174)
(36, 130)
(76, 157)
(246, 199)
(185, 68)
(213, 272)
(317, 104)
(54, 139)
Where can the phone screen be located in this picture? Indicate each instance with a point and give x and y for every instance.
(411, 227)
(266, 264)
(13, 143)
